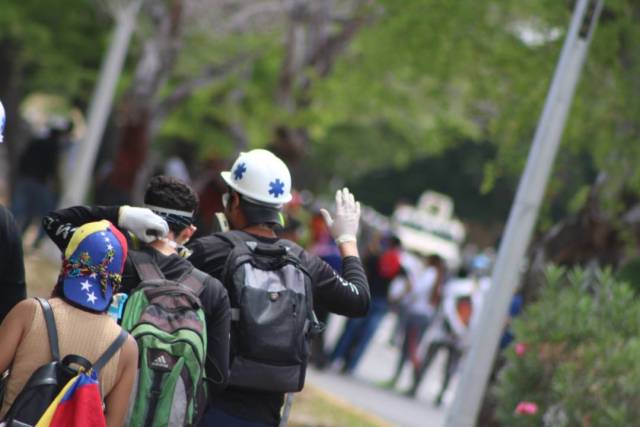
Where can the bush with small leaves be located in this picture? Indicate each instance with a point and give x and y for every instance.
(576, 356)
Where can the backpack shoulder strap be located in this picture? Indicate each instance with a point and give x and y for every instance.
(195, 280)
(237, 239)
(240, 246)
(145, 266)
(110, 351)
(52, 331)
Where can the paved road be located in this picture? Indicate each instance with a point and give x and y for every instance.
(376, 366)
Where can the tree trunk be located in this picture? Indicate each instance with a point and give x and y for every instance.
(152, 71)
(311, 45)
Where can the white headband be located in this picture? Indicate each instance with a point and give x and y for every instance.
(170, 211)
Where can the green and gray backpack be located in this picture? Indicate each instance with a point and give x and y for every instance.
(167, 321)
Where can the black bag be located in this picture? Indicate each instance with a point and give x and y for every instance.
(271, 312)
(46, 382)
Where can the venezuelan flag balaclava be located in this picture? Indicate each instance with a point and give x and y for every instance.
(92, 265)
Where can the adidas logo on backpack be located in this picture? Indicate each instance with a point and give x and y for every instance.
(160, 362)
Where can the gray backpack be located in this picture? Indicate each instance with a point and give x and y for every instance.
(272, 314)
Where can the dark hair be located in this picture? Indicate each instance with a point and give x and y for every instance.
(171, 193)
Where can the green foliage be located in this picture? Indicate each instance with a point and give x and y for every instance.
(580, 364)
(424, 76)
(57, 45)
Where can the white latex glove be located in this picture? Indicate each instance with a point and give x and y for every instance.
(344, 226)
(142, 222)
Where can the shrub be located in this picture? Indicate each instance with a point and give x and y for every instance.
(581, 358)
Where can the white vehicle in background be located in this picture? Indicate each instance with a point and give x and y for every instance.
(430, 228)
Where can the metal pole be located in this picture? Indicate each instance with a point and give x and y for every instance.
(78, 183)
(522, 218)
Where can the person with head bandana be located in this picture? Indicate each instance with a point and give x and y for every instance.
(158, 232)
(90, 275)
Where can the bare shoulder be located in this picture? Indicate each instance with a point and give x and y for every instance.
(24, 310)
(129, 352)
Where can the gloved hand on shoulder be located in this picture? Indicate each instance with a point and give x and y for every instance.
(344, 227)
(143, 223)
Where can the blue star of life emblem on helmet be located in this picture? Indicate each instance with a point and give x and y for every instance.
(276, 188)
(239, 171)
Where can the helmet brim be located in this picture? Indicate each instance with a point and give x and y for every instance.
(226, 177)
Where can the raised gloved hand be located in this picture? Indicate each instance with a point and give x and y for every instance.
(142, 222)
(344, 226)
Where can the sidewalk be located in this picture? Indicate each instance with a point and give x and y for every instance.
(377, 365)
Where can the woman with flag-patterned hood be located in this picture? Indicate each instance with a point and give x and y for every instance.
(91, 268)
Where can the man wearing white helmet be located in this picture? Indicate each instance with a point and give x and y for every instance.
(259, 184)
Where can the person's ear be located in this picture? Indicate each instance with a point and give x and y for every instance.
(234, 202)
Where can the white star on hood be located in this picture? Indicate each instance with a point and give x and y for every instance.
(91, 297)
(86, 286)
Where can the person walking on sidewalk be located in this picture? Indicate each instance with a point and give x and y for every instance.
(259, 184)
(381, 270)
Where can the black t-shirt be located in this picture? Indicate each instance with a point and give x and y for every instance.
(378, 284)
(61, 224)
(347, 295)
(12, 285)
(40, 159)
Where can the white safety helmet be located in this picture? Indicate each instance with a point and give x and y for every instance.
(260, 176)
(3, 119)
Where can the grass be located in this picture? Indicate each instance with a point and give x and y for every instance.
(313, 407)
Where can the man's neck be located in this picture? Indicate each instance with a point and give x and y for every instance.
(260, 230)
(164, 247)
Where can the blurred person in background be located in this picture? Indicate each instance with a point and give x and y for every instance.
(462, 299)
(398, 296)
(37, 184)
(323, 246)
(381, 269)
(423, 298)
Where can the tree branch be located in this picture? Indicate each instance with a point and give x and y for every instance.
(239, 20)
(185, 89)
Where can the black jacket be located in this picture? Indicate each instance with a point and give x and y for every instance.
(12, 283)
(347, 295)
(61, 224)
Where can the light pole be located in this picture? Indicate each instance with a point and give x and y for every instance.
(522, 218)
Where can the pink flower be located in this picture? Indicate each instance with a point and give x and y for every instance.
(520, 349)
(526, 408)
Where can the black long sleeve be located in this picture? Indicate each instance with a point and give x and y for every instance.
(215, 302)
(346, 294)
(61, 224)
(12, 283)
